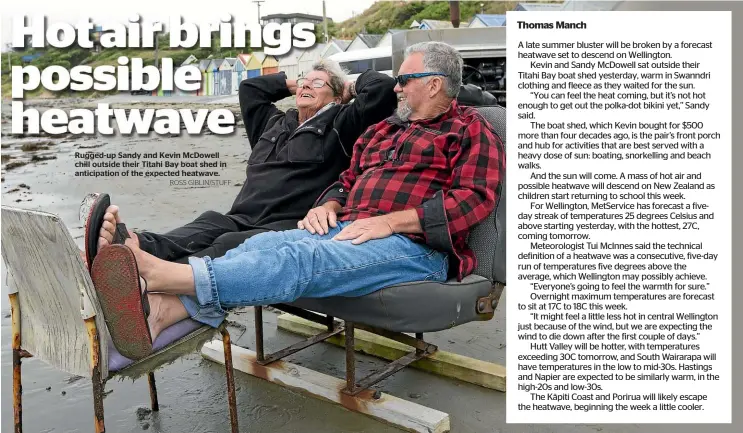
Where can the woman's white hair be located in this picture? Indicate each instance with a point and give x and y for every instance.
(335, 72)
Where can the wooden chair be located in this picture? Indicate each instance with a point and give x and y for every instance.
(56, 316)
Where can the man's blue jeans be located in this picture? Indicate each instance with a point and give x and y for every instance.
(281, 267)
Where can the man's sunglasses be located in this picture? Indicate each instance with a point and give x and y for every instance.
(403, 79)
(316, 83)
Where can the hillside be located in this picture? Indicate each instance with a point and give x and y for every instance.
(385, 15)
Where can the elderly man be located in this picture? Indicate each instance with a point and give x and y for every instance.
(295, 156)
(417, 184)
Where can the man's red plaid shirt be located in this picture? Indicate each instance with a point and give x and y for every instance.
(448, 168)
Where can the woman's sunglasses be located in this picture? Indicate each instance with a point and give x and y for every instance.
(402, 80)
(316, 83)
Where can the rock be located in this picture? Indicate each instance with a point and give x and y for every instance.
(15, 164)
(37, 158)
(64, 392)
(73, 379)
(23, 185)
(143, 412)
(48, 388)
(414, 395)
(36, 145)
(145, 426)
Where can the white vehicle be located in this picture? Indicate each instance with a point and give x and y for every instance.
(358, 61)
(483, 50)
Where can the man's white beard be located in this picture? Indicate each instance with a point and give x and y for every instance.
(403, 111)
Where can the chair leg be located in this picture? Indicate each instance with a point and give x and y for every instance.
(17, 391)
(260, 356)
(15, 314)
(95, 355)
(350, 358)
(100, 426)
(230, 378)
(153, 392)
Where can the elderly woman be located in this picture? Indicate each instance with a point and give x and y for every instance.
(295, 156)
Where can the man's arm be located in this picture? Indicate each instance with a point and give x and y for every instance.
(257, 96)
(380, 227)
(478, 167)
(406, 221)
(375, 100)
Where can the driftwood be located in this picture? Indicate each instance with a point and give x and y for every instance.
(389, 409)
(466, 369)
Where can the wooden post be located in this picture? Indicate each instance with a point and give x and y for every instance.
(15, 314)
(95, 358)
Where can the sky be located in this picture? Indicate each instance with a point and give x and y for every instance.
(100, 11)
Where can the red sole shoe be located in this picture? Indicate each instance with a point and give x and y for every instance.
(125, 307)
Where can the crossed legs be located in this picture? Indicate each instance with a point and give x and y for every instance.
(275, 267)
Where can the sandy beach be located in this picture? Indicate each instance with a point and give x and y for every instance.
(192, 391)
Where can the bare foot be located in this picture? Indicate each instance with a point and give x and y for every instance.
(165, 310)
(159, 275)
(106, 235)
